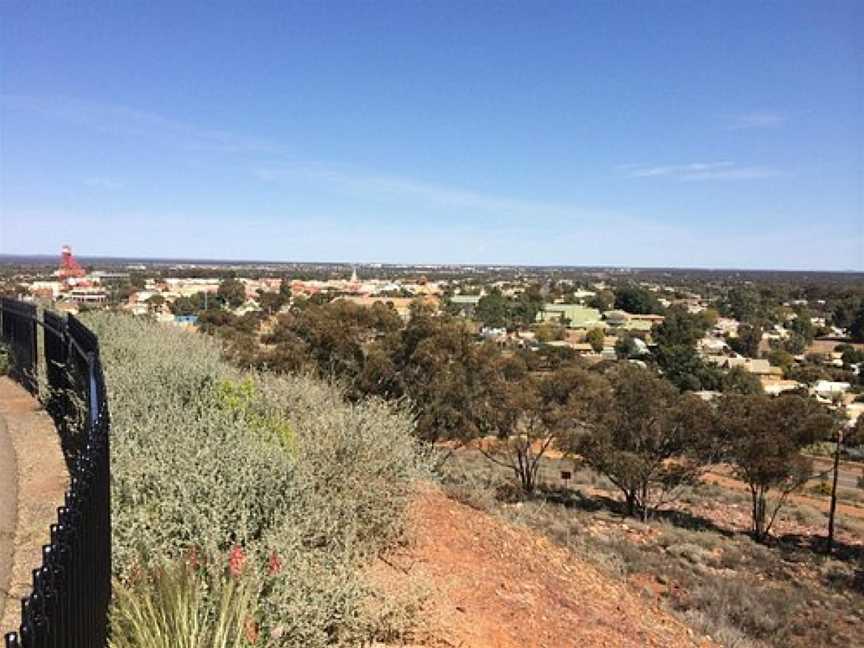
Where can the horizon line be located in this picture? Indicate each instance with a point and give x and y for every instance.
(96, 257)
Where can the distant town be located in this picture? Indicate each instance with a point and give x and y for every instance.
(790, 332)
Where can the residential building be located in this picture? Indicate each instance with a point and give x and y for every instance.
(574, 316)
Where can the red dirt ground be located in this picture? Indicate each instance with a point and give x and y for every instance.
(499, 586)
(41, 481)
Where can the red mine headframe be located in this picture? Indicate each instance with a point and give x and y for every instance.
(69, 267)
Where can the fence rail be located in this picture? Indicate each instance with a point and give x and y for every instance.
(68, 605)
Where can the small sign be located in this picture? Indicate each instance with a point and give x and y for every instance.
(566, 474)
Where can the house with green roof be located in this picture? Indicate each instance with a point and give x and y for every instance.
(571, 315)
(466, 303)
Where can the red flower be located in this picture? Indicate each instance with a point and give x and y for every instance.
(251, 630)
(236, 560)
(192, 558)
(274, 565)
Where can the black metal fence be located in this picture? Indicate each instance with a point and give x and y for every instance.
(68, 606)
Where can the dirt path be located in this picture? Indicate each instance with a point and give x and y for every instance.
(500, 586)
(41, 481)
(8, 509)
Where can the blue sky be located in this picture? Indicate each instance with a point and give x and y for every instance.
(717, 134)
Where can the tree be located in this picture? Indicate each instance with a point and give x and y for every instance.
(523, 311)
(781, 358)
(492, 310)
(644, 436)
(595, 337)
(603, 300)
(748, 340)
(763, 439)
(843, 437)
(212, 320)
(526, 415)
(740, 381)
(852, 356)
(795, 344)
(285, 289)
(844, 311)
(743, 303)
(803, 326)
(443, 370)
(856, 328)
(637, 300)
(190, 305)
(271, 302)
(709, 317)
(676, 352)
(548, 332)
(680, 328)
(231, 292)
(625, 347)
(683, 367)
(155, 302)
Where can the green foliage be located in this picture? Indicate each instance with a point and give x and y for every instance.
(241, 400)
(856, 327)
(625, 347)
(492, 310)
(231, 292)
(680, 328)
(795, 344)
(852, 356)
(637, 300)
(781, 358)
(740, 381)
(4, 360)
(199, 464)
(643, 435)
(747, 341)
(683, 367)
(604, 300)
(549, 332)
(743, 303)
(764, 437)
(595, 337)
(803, 327)
(190, 305)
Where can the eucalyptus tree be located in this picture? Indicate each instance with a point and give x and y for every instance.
(643, 435)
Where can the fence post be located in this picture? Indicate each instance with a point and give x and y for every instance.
(93, 400)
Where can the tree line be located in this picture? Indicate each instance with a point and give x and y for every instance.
(636, 425)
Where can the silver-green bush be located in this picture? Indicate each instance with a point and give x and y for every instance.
(205, 458)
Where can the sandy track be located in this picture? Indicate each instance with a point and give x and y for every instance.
(8, 509)
(496, 585)
(41, 478)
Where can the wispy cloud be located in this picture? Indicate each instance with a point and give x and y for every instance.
(722, 170)
(396, 187)
(757, 120)
(117, 120)
(99, 182)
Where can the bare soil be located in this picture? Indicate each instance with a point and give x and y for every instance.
(41, 479)
(495, 585)
(8, 509)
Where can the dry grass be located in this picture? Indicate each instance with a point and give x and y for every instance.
(718, 580)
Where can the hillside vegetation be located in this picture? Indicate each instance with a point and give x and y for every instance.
(246, 505)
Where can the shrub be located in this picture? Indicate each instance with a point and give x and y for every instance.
(822, 488)
(690, 552)
(753, 610)
(178, 606)
(205, 458)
